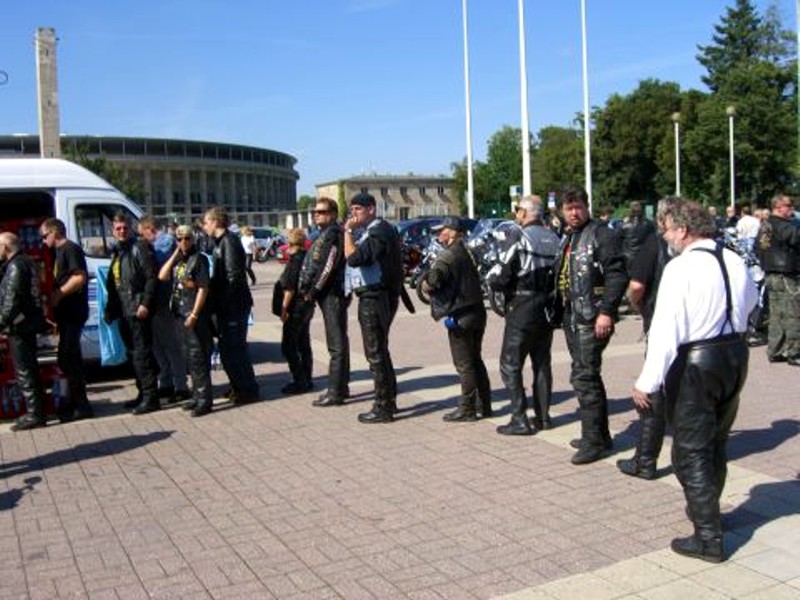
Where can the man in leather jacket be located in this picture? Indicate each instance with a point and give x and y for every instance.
(455, 288)
(375, 274)
(322, 280)
(591, 279)
(697, 352)
(230, 303)
(525, 274)
(778, 245)
(131, 299)
(21, 318)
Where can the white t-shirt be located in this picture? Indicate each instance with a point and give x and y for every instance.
(248, 241)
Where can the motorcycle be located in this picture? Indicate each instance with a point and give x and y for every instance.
(426, 261)
(486, 245)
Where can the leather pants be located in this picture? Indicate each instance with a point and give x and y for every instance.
(334, 315)
(518, 344)
(197, 346)
(375, 314)
(137, 334)
(702, 397)
(586, 352)
(296, 342)
(232, 332)
(70, 361)
(26, 366)
(465, 348)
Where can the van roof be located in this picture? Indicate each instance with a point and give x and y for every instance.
(47, 173)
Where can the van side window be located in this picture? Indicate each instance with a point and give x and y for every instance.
(93, 224)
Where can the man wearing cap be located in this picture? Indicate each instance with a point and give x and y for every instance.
(525, 274)
(455, 288)
(374, 273)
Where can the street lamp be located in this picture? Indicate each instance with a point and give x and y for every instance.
(676, 120)
(731, 112)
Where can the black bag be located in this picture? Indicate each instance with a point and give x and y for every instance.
(277, 299)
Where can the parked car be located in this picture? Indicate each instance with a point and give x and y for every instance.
(267, 241)
(282, 252)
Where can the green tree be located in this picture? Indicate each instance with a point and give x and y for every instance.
(629, 139)
(559, 158)
(750, 66)
(306, 202)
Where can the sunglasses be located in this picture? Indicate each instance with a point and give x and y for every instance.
(184, 238)
(321, 212)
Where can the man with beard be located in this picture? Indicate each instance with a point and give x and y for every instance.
(696, 350)
(591, 280)
(322, 280)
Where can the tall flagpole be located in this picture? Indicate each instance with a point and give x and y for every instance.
(587, 140)
(470, 186)
(523, 82)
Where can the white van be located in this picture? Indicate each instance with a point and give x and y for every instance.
(32, 189)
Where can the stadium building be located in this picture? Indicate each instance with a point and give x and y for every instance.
(181, 178)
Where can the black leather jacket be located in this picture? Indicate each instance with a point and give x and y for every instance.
(323, 267)
(382, 247)
(20, 304)
(229, 293)
(454, 281)
(778, 246)
(137, 280)
(597, 273)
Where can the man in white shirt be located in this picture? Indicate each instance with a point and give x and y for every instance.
(697, 352)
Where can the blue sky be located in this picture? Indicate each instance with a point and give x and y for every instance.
(346, 86)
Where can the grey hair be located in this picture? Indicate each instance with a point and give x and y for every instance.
(691, 215)
(533, 205)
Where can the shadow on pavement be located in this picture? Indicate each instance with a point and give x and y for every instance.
(754, 441)
(89, 450)
(10, 498)
(767, 502)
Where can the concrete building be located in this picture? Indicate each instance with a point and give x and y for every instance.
(182, 178)
(398, 197)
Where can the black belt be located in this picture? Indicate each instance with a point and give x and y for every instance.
(715, 341)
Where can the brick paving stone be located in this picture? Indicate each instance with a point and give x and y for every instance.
(284, 500)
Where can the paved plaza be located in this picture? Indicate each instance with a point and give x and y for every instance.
(284, 500)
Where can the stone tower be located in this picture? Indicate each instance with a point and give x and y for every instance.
(47, 86)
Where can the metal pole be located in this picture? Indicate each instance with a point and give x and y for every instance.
(523, 82)
(470, 182)
(587, 139)
(676, 119)
(731, 111)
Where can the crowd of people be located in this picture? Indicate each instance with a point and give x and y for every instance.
(695, 296)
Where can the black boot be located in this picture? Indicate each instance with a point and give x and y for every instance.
(26, 422)
(381, 413)
(465, 411)
(648, 446)
(147, 406)
(518, 425)
(693, 547)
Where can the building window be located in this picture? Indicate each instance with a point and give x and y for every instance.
(421, 191)
(384, 191)
(364, 190)
(403, 191)
(440, 190)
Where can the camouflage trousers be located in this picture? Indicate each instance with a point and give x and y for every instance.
(784, 316)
